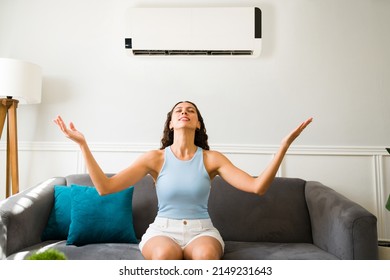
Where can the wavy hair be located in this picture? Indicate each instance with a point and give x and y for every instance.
(201, 138)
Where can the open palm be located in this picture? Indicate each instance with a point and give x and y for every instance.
(296, 132)
(71, 132)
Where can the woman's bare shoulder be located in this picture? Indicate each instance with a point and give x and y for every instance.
(213, 161)
(153, 154)
(152, 161)
(214, 157)
(212, 154)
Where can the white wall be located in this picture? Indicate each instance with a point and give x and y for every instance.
(326, 59)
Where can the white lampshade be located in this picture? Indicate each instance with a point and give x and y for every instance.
(20, 80)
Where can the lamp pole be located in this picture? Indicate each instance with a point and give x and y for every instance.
(8, 111)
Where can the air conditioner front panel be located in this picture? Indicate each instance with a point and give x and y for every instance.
(198, 29)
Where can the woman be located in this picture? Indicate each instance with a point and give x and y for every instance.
(182, 170)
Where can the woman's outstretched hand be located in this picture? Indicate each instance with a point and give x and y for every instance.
(71, 132)
(296, 132)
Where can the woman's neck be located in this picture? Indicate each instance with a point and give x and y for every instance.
(183, 145)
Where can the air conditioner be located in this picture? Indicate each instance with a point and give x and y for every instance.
(223, 31)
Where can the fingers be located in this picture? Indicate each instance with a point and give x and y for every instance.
(61, 124)
(72, 127)
(59, 121)
(72, 133)
(308, 121)
(297, 131)
(305, 124)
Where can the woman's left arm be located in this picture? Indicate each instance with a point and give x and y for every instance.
(260, 184)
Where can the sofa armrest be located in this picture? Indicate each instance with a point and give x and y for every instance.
(339, 225)
(23, 216)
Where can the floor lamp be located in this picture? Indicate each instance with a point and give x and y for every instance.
(20, 82)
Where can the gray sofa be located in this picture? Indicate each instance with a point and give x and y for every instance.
(295, 219)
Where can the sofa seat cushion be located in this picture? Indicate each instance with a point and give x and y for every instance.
(235, 250)
(102, 251)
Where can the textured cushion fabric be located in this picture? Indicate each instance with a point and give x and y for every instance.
(281, 215)
(274, 251)
(59, 220)
(97, 251)
(233, 251)
(144, 205)
(100, 219)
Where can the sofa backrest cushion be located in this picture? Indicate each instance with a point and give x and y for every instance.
(144, 205)
(281, 215)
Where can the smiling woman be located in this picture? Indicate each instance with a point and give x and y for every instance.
(182, 170)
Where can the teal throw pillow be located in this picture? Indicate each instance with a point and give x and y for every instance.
(57, 226)
(101, 219)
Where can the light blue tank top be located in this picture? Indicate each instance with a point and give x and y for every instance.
(183, 187)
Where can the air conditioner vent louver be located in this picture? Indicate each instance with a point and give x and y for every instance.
(191, 52)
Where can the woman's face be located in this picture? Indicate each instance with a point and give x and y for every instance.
(184, 115)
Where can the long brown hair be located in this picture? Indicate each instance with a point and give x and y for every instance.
(201, 138)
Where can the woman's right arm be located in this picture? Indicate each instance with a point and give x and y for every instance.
(104, 184)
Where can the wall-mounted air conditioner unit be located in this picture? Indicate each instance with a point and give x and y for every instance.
(224, 31)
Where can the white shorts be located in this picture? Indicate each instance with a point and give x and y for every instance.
(181, 231)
